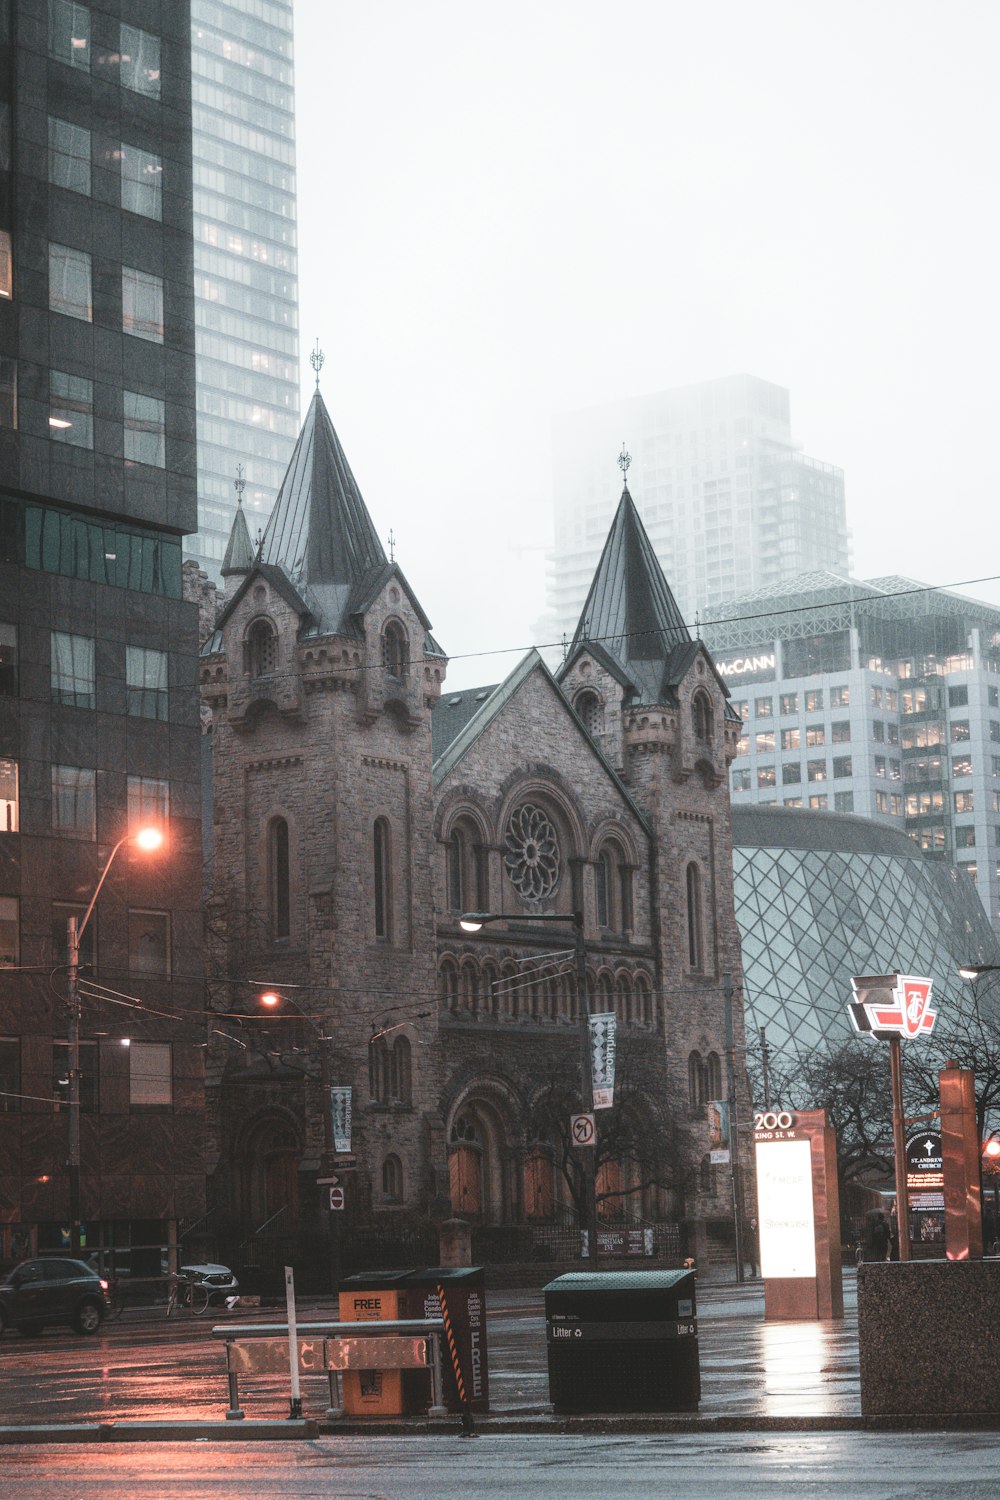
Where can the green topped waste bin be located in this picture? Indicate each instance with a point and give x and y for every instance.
(623, 1341)
(464, 1289)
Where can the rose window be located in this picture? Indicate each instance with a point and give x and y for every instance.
(532, 858)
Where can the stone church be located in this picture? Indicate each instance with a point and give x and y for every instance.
(359, 809)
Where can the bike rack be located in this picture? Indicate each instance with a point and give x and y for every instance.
(327, 1349)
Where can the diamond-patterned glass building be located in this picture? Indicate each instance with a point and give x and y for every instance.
(822, 896)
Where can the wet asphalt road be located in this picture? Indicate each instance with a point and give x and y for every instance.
(145, 1367)
(835, 1466)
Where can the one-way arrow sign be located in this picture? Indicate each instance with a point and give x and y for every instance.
(327, 1181)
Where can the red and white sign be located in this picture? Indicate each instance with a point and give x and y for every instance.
(893, 1005)
(336, 1197)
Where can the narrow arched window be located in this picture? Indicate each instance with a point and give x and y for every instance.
(694, 918)
(701, 716)
(455, 855)
(707, 1175)
(449, 985)
(395, 650)
(261, 648)
(402, 1085)
(604, 876)
(714, 1071)
(588, 706)
(381, 874)
(392, 1180)
(278, 878)
(697, 1081)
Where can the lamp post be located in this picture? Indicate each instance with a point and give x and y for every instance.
(472, 921)
(147, 839)
(273, 1001)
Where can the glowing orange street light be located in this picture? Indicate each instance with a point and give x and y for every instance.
(148, 838)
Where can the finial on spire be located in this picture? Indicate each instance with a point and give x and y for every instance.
(391, 539)
(239, 484)
(316, 359)
(624, 459)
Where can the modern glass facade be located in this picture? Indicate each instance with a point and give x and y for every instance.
(820, 898)
(879, 698)
(97, 647)
(246, 316)
(729, 503)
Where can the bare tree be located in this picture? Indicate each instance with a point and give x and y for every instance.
(638, 1131)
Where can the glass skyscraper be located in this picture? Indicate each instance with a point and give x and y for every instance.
(246, 317)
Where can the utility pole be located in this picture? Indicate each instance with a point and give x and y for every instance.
(734, 1135)
(73, 1050)
(588, 1216)
(765, 1059)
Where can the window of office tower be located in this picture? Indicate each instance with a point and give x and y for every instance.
(69, 33)
(142, 182)
(70, 282)
(140, 61)
(69, 156)
(144, 429)
(71, 409)
(142, 304)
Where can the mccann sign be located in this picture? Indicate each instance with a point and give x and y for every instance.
(756, 664)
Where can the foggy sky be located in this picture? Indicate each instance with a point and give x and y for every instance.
(507, 211)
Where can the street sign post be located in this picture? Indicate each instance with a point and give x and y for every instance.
(583, 1129)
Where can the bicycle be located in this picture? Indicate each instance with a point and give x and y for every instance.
(184, 1293)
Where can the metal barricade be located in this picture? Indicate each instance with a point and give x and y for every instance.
(328, 1349)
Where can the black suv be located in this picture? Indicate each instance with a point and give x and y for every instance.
(55, 1290)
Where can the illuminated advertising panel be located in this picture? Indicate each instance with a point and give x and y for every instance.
(753, 664)
(785, 1219)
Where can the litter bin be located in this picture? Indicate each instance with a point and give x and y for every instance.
(378, 1297)
(465, 1293)
(622, 1341)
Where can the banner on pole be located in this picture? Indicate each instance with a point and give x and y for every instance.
(718, 1132)
(340, 1110)
(603, 1041)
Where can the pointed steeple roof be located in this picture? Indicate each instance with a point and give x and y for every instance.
(239, 550)
(631, 614)
(320, 535)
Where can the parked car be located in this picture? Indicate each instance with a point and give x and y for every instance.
(53, 1290)
(215, 1281)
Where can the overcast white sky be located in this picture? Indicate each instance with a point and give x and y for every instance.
(513, 210)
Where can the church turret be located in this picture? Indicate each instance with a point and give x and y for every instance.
(239, 550)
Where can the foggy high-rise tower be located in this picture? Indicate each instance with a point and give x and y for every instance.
(728, 500)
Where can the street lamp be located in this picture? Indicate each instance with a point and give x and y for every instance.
(147, 839)
(973, 971)
(473, 921)
(272, 1000)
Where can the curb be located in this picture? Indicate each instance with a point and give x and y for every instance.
(159, 1432)
(607, 1425)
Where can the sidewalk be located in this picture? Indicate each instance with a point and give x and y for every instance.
(755, 1377)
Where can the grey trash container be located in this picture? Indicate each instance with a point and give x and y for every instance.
(623, 1341)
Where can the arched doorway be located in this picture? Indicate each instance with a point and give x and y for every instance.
(269, 1173)
(479, 1165)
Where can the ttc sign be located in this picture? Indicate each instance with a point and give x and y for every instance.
(888, 1005)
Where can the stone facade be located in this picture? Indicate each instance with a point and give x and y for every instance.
(357, 815)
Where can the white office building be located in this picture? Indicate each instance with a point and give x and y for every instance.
(880, 698)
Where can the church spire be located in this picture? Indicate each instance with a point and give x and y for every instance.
(239, 551)
(630, 610)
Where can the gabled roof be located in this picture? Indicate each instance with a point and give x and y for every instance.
(239, 550)
(630, 610)
(494, 705)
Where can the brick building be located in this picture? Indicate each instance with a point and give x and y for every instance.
(359, 809)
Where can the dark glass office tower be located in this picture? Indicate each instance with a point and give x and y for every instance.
(245, 272)
(99, 729)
